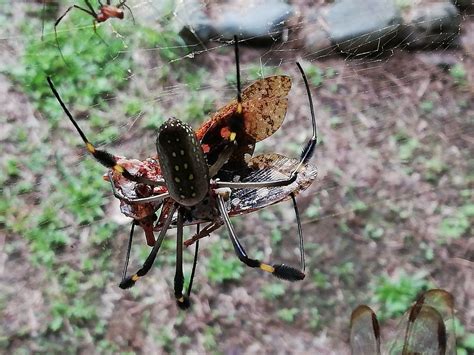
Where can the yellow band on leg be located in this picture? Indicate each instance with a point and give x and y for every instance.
(90, 148)
(267, 268)
(118, 168)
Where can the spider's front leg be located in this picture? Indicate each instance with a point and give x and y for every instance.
(279, 270)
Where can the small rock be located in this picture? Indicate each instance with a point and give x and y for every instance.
(432, 26)
(463, 4)
(361, 27)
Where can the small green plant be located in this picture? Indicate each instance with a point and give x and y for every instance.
(373, 231)
(221, 268)
(396, 293)
(459, 74)
(288, 314)
(89, 71)
(272, 291)
(456, 225)
(464, 339)
(427, 106)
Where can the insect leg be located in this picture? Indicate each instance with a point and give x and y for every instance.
(130, 281)
(211, 227)
(181, 300)
(140, 200)
(222, 159)
(279, 270)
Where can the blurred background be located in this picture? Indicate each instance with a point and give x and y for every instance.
(388, 216)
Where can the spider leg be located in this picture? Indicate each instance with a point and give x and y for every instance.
(42, 22)
(90, 12)
(181, 300)
(91, 8)
(300, 232)
(193, 271)
(129, 248)
(105, 158)
(279, 270)
(123, 4)
(98, 35)
(131, 280)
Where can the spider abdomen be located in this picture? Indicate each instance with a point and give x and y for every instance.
(182, 162)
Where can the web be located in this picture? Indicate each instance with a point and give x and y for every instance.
(388, 215)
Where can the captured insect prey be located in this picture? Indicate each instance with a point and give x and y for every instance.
(209, 175)
(426, 328)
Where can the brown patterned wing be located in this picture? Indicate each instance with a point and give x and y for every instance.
(264, 105)
(269, 87)
(261, 95)
(264, 116)
(268, 167)
(364, 331)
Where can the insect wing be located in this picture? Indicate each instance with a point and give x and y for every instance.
(264, 105)
(263, 117)
(428, 327)
(364, 332)
(269, 167)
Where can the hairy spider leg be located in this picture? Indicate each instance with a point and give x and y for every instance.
(193, 271)
(102, 156)
(279, 270)
(181, 300)
(128, 282)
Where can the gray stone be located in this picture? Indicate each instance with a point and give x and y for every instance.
(359, 27)
(260, 23)
(432, 26)
(463, 4)
(316, 41)
(196, 27)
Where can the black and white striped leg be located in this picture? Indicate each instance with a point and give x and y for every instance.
(131, 280)
(279, 270)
